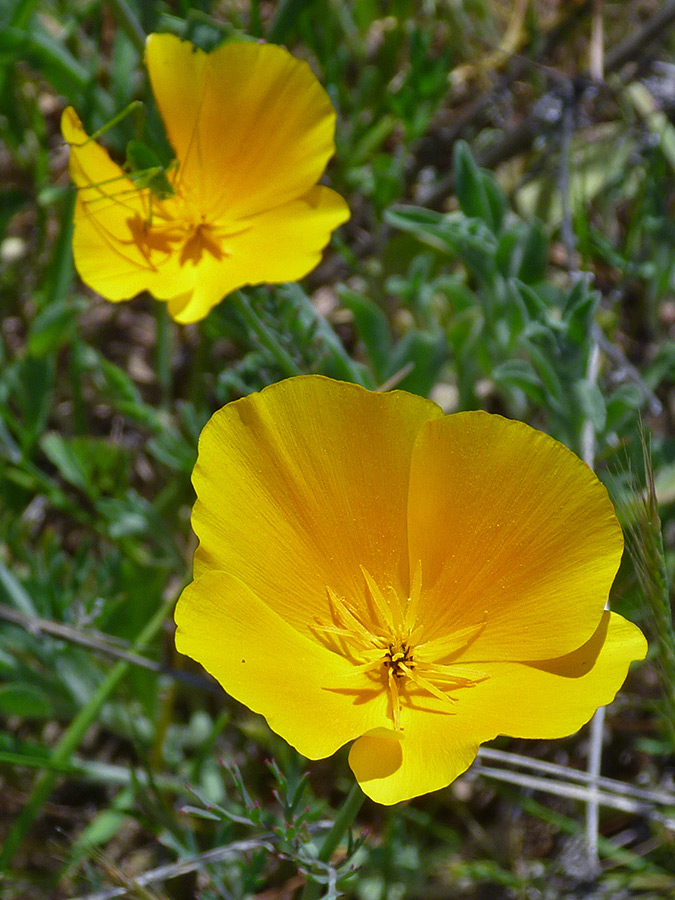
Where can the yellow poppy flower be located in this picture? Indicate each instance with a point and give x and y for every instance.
(372, 570)
(252, 130)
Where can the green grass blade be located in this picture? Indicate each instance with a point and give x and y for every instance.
(15, 592)
(645, 545)
(284, 20)
(129, 24)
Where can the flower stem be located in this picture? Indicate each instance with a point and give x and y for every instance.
(129, 24)
(265, 335)
(163, 352)
(343, 820)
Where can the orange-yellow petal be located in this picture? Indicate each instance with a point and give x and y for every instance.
(312, 490)
(253, 131)
(554, 698)
(282, 244)
(90, 164)
(106, 200)
(394, 767)
(513, 531)
(307, 694)
(301, 485)
(251, 126)
(111, 220)
(535, 700)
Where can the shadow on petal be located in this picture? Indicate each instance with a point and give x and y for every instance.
(581, 661)
(359, 695)
(376, 754)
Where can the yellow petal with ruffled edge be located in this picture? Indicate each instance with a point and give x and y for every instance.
(111, 216)
(554, 698)
(545, 700)
(283, 244)
(512, 529)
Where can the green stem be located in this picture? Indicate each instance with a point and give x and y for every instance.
(264, 335)
(72, 738)
(19, 22)
(286, 14)
(255, 20)
(331, 842)
(79, 407)
(163, 352)
(61, 266)
(129, 24)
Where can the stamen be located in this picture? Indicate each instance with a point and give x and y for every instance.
(333, 629)
(347, 617)
(383, 607)
(359, 670)
(395, 700)
(430, 687)
(459, 674)
(395, 607)
(385, 642)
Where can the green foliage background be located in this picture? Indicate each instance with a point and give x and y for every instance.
(510, 248)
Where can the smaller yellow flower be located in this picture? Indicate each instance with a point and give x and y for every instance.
(371, 570)
(252, 130)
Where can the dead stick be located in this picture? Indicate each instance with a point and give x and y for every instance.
(101, 643)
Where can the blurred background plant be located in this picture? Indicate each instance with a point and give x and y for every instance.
(509, 166)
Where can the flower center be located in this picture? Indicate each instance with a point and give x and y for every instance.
(174, 223)
(384, 639)
(202, 237)
(396, 659)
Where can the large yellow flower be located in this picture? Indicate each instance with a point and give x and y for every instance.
(371, 569)
(252, 130)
